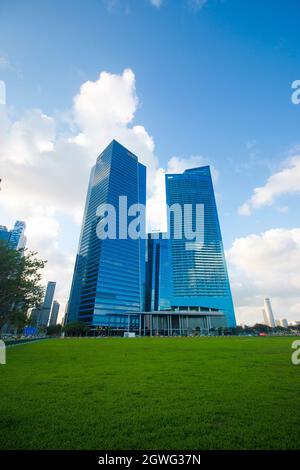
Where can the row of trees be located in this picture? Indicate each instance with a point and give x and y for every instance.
(81, 329)
(20, 288)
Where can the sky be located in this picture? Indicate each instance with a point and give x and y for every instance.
(181, 83)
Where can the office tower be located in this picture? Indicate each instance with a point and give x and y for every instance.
(4, 234)
(17, 238)
(109, 274)
(49, 294)
(54, 313)
(198, 272)
(14, 237)
(268, 313)
(161, 316)
(265, 318)
(40, 316)
(158, 293)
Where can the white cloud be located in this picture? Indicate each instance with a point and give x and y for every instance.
(4, 62)
(156, 3)
(193, 4)
(283, 209)
(266, 265)
(2, 92)
(285, 181)
(28, 138)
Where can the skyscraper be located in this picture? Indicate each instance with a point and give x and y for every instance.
(14, 237)
(198, 272)
(158, 292)
(17, 238)
(109, 274)
(268, 313)
(54, 313)
(4, 234)
(40, 316)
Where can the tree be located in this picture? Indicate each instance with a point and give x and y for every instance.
(237, 330)
(54, 330)
(77, 328)
(20, 287)
(261, 328)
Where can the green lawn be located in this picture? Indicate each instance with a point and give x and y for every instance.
(146, 393)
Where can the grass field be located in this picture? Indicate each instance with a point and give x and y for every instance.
(147, 393)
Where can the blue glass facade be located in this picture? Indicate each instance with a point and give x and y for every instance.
(40, 316)
(109, 274)
(158, 286)
(15, 237)
(198, 277)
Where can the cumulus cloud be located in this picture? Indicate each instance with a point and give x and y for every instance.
(266, 265)
(104, 110)
(285, 181)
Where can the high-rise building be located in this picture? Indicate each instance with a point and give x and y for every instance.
(40, 315)
(265, 318)
(268, 313)
(282, 322)
(4, 234)
(158, 292)
(161, 316)
(109, 274)
(49, 294)
(54, 313)
(198, 273)
(17, 238)
(14, 237)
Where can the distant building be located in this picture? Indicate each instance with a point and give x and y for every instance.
(265, 318)
(16, 240)
(268, 314)
(40, 316)
(282, 322)
(15, 237)
(4, 234)
(294, 323)
(54, 313)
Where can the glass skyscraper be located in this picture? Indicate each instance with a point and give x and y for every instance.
(109, 274)
(198, 276)
(54, 313)
(15, 237)
(40, 315)
(158, 285)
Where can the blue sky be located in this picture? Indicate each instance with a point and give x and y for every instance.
(213, 79)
